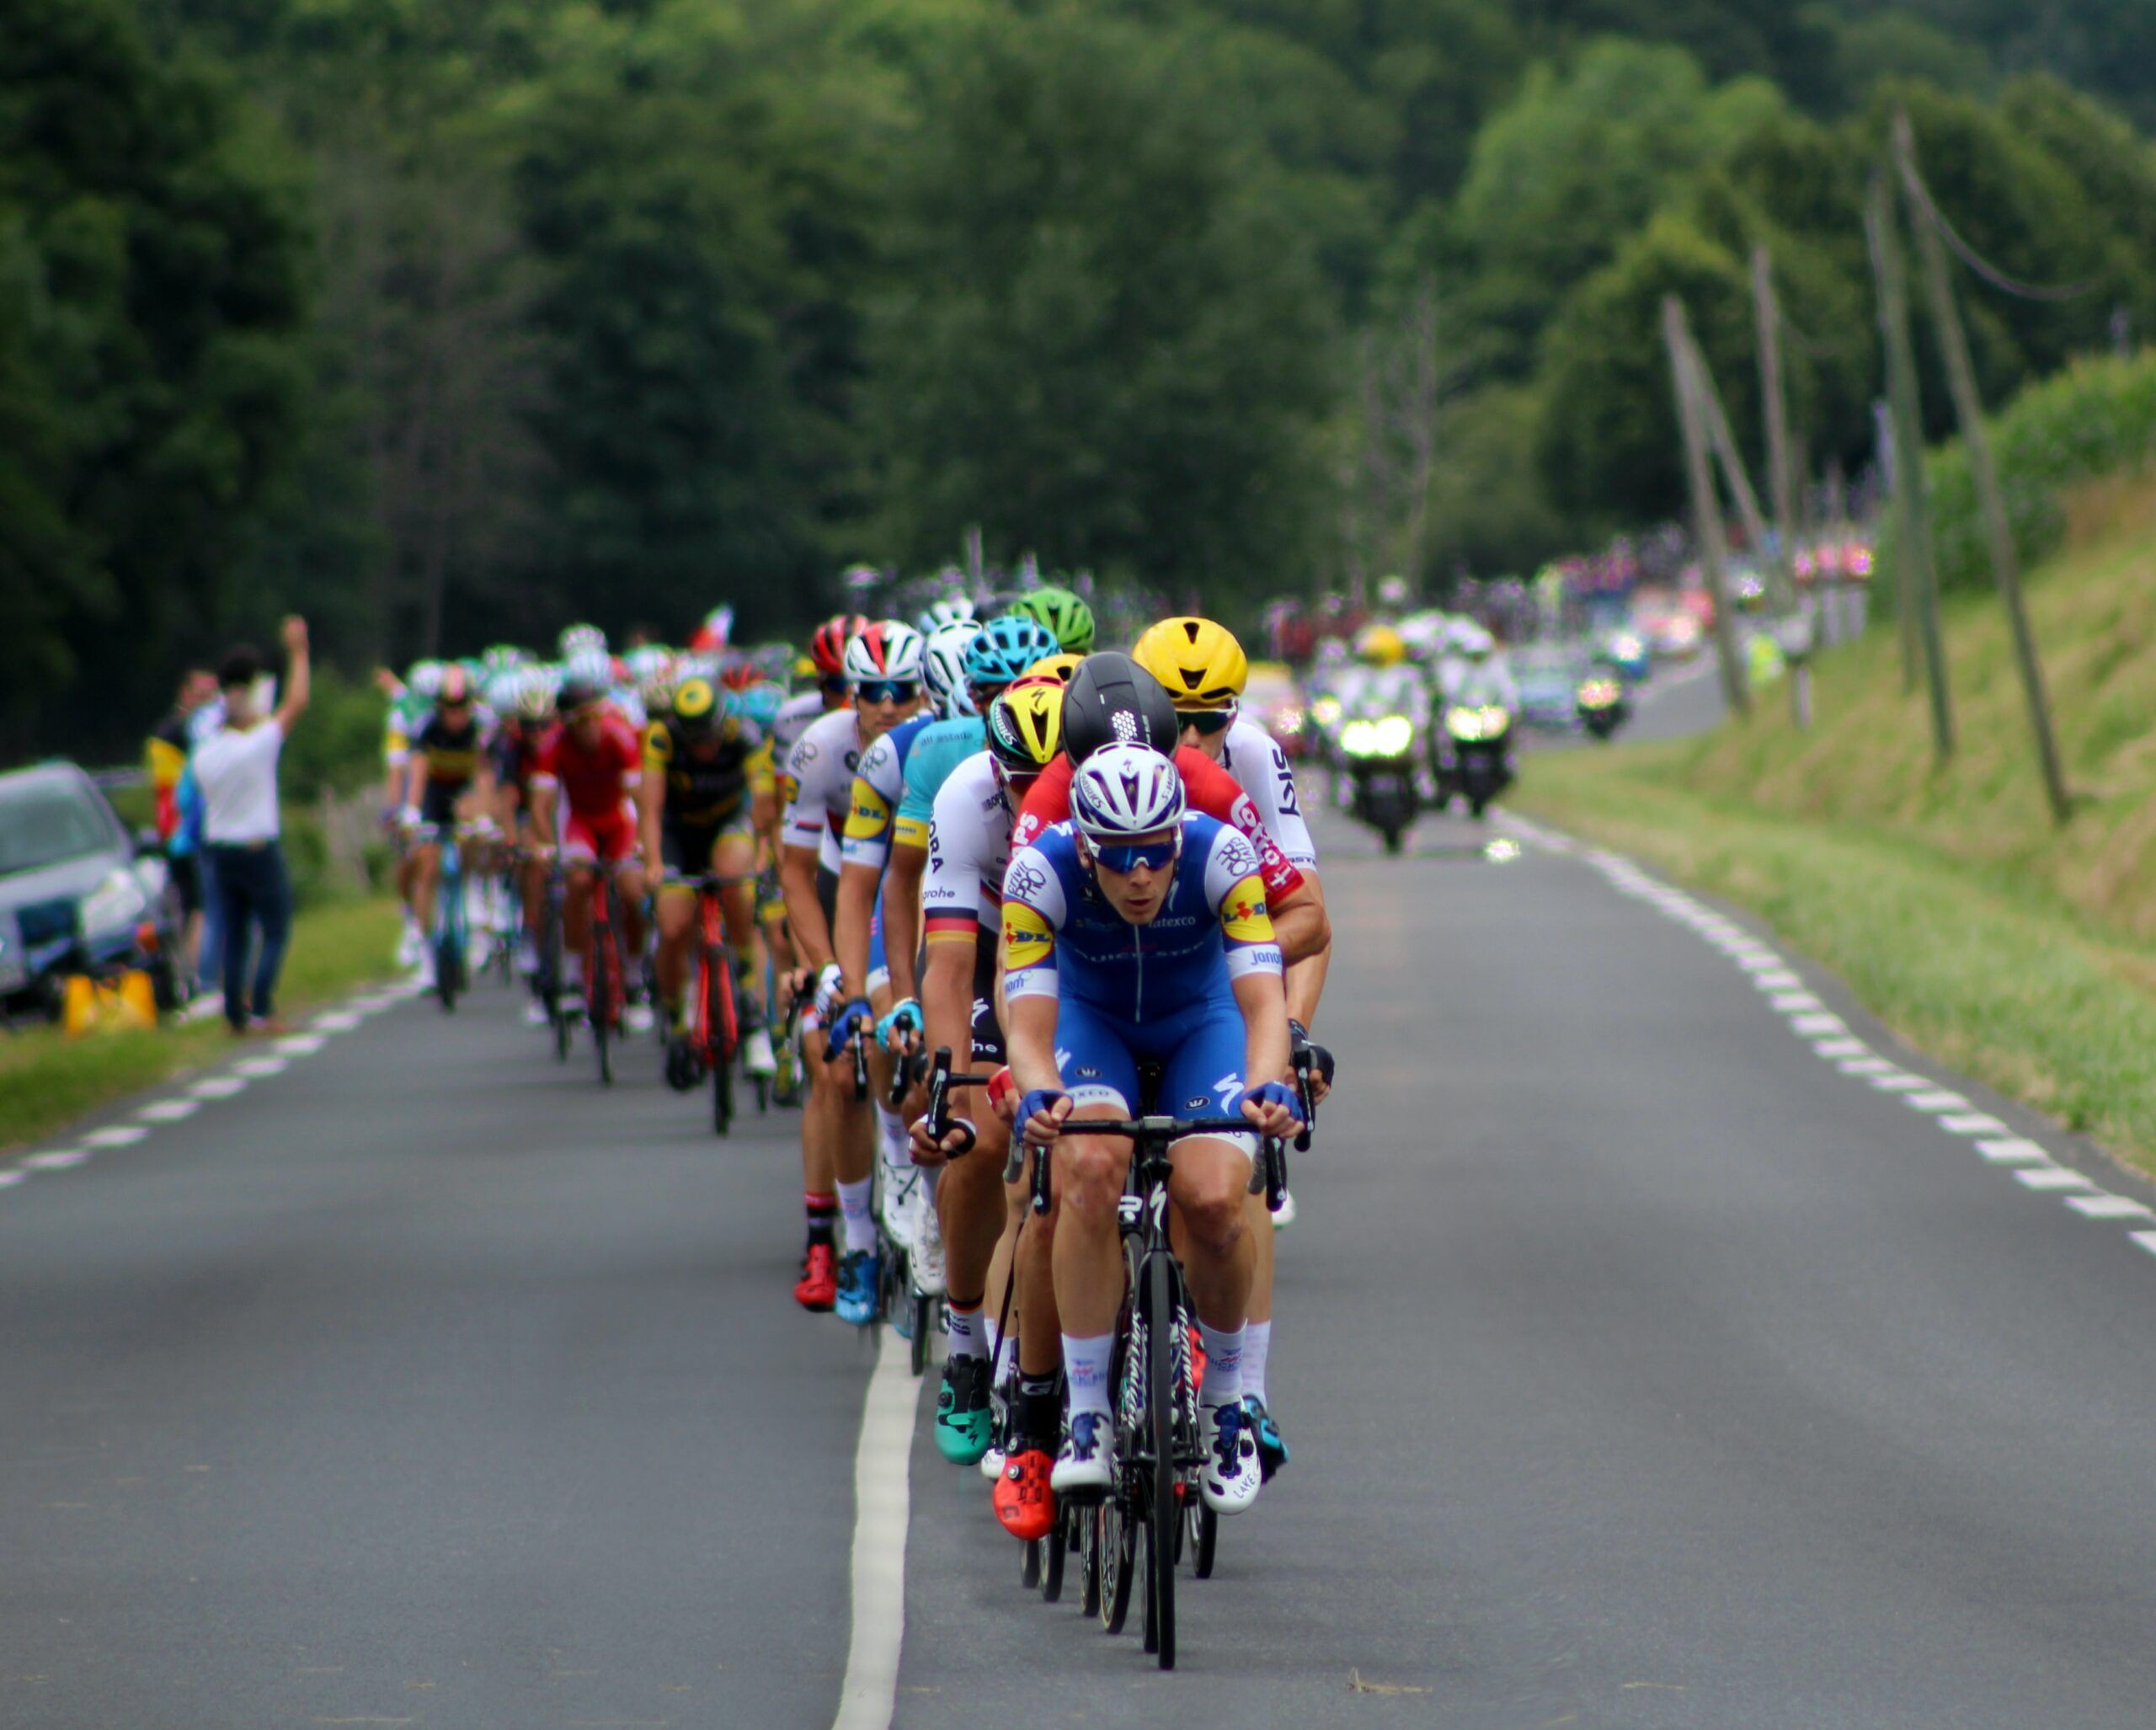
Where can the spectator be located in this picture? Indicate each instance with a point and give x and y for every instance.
(237, 770)
(193, 718)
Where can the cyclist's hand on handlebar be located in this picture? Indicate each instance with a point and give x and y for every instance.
(1042, 1112)
(929, 1151)
(1321, 1062)
(858, 1015)
(899, 1030)
(829, 982)
(1273, 1108)
(1003, 1095)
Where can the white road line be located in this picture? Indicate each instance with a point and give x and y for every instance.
(1841, 1048)
(169, 1111)
(1897, 1082)
(2104, 1205)
(337, 1021)
(870, 1694)
(1973, 1122)
(260, 1066)
(1866, 1067)
(116, 1135)
(1760, 960)
(9, 1179)
(1811, 1026)
(2147, 1240)
(1937, 1099)
(302, 1045)
(61, 1159)
(2052, 1177)
(2012, 1151)
(218, 1086)
(1787, 1002)
(1781, 981)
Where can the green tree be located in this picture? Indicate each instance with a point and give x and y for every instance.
(1102, 337)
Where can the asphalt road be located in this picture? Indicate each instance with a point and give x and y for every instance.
(1643, 1366)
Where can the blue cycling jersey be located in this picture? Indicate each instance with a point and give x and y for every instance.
(938, 751)
(1063, 939)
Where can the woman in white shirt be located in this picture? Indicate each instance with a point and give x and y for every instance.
(236, 768)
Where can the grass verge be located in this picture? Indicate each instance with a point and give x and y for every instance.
(46, 1079)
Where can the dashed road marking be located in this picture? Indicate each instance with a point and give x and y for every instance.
(169, 1111)
(2107, 1206)
(1811, 1026)
(2011, 1151)
(1936, 1099)
(1789, 1002)
(302, 1045)
(218, 1086)
(1841, 1048)
(260, 1067)
(1974, 1122)
(116, 1135)
(2147, 1240)
(2050, 1177)
(60, 1159)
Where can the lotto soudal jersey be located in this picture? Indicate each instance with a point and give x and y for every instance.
(1063, 938)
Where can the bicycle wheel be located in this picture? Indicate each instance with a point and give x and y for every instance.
(1163, 1521)
(924, 1323)
(1119, 1564)
(1054, 1549)
(718, 1012)
(1203, 1532)
(1089, 1561)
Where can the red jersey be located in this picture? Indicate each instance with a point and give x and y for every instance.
(594, 781)
(1206, 785)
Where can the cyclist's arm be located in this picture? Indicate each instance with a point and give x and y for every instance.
(1253, 958)
(1306, 972)
(902, 917)
(1030, 1037)
(812, 933)
(544, 790)
(1265, 1026)
(1300, 921)
(415, 781)
(856, 909)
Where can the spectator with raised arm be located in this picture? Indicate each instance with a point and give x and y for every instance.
(235, 769)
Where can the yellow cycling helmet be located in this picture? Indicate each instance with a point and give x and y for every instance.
(695, 705)
(1025, 727)
(1201, 664)
(1382, 646)
(1057, 667)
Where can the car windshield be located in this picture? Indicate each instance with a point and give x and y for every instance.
(46, 822)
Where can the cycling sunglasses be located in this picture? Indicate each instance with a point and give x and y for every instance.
(889, 689)
(837, 684)
(1124, 857)
(1207, 721)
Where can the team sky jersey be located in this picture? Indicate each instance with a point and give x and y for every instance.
(968, 851)
(703, 788)
(1063, 940)
(879, 784)
(1209, 787)
(820, 772)
(936, 756)
(595, 779)
(1254, 757)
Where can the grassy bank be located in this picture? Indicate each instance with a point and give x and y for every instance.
(45, 1081)
(2019, 953)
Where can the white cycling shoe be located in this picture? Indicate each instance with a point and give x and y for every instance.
(1286, 1216)
(535, 1014)
(927, 1258)
(410, 944)
(756, 1052)
(1232, 1477)
(898, 1206)
(638, 1018)
(1086, 1462)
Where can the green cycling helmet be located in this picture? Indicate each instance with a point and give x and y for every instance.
(1064, 613)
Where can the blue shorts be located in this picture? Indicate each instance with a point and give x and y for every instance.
(1200, 1049)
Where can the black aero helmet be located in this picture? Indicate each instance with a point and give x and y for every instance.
(1112, 700)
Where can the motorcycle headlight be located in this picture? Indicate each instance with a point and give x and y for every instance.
(115, 904)
(1464, 724)
(1598, 694)
(1357, 737)
(1392, 736)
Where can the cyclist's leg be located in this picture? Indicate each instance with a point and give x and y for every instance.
(426, 877)
(629, 879)
(580, 856)
(676, 916)
(733, 855)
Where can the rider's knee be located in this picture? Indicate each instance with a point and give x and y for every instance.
(1213, 1214)
(1090, 1173)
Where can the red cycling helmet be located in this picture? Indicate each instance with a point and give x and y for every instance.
(740, 673)
(827, 647)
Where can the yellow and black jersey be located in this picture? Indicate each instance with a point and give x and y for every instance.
(704, 784)
(453, 754)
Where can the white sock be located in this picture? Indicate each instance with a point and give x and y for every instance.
(968, 1333)
(572, 970)
(1086, 1365)
(897, 1145)
(1223, 1385)
(854, 1202)
(1258, 1345)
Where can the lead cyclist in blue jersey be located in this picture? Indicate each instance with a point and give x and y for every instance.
(1134, 932)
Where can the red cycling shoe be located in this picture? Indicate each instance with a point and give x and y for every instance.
(1024, 1503)
(818, 1288)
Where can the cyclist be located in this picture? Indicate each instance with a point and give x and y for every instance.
(707, 790)
(969, 848)
(517, 741)
(1137, 932)
(871, 968)
(449, 759)
(1064, 612)
(1204, 669)
(882, 666)
(411, 701)
(583, 788)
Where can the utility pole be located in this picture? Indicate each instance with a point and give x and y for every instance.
(1781, 479)
(1969, 408)
(1917, 579)
(1780, 587)
(1706, 508)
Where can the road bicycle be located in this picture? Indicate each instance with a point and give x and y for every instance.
(451, 940)
(715, 1024)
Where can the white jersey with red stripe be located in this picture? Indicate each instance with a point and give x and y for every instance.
(819, 770)
(1254, 757)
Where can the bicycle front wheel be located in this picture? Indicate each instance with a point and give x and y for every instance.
(718, 1024)
(601, 989)
(1164, 1316)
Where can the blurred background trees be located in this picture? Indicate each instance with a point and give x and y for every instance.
(448, 319)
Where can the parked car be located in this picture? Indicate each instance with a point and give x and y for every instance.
(78, 894)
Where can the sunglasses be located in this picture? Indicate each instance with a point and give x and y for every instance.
(889, 689)
(1207, 721)
(1124, 857)
(834, 687)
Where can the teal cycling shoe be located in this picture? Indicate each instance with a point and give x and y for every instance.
(1272, 1448)
(962, 1412)
(859, 1287)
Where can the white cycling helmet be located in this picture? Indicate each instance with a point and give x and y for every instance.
(580, 639)
(951, 610)
(943, 666)
(535, 694)
(1122, 791)
(890, 649)
(591, 666)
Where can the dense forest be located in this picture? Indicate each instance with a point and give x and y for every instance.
(451, 319)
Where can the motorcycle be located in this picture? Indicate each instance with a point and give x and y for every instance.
(1379, 755)
(1477, 764)
(1602, 706)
